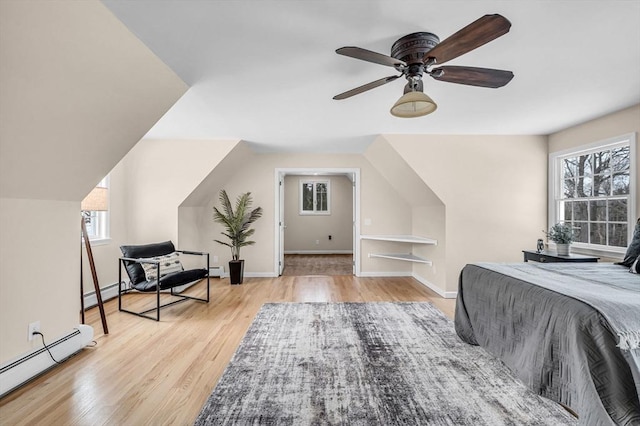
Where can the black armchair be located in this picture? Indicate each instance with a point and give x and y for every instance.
(144, 265)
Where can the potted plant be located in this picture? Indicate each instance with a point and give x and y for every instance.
(563, 235)
(237, 224)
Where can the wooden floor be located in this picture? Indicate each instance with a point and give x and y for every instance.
(318, 264)
(150, 373)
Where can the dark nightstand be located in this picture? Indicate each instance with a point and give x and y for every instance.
(551, 257)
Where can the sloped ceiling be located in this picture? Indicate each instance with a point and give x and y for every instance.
(77, 91)
(265, 71)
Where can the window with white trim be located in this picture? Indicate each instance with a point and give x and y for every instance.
(314, 197)
(593, 189)
(97, 221)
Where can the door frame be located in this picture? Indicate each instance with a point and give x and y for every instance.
(351, 172)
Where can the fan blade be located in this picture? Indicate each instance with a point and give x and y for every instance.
(365, 87)
(368, 55)
(474, 35)
(483, 77)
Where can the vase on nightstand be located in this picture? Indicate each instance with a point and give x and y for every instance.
(563, 249)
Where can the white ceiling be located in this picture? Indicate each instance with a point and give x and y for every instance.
(266, 71)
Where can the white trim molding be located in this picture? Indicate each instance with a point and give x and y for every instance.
(433, 287)
(555, 190)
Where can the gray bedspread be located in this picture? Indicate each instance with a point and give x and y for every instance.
(561, 330)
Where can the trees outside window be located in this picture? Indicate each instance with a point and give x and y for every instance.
(594, 191)
(314, 197)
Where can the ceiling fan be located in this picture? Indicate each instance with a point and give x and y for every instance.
(416, 54)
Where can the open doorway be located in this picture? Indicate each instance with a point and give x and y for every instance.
(317, 221)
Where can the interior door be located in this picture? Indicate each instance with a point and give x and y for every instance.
(281, 223)
(353, 223)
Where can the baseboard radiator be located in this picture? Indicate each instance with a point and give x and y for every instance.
(15, 373)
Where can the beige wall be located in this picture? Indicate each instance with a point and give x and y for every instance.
(616, 124)
(425, 215)
(106, 254)
(39, 269)
(78, 91)
(160, 174)
(310, 233)
(257, 175)
(494, 191)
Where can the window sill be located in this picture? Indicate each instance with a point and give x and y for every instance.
(99, 242)
(614, 255)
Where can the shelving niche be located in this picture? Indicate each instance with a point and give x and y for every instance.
(410, 239)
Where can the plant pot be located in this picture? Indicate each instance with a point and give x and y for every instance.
(563, 249)
(236, 271)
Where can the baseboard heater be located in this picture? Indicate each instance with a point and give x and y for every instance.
(15, 373)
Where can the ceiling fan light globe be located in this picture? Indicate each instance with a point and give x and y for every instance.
(413, 104)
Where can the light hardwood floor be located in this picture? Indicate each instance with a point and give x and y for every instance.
(150, 373)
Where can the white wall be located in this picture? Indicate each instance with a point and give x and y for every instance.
(310, 233)
(78, 91)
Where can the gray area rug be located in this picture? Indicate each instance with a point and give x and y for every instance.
(367, 364)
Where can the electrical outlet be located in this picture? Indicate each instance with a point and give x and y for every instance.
(33, 328)
(215, 259)
(317, 241)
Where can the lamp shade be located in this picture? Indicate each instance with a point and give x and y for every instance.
(413, 104)
(97, 200)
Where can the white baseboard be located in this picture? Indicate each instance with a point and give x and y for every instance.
(254, 275)
(318, 252)
(385, 274)
(107, 292)
(20, 370)
(438, 290)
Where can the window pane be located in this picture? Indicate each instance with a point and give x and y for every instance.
(569, 167)
(580, 210)
(598, 210)
(584, 165)
(618, 234)
(620, 184)
(569, 189)
(601, 185)
(620, 159)
(90, 220)
(584, 186)
(307, 197)
(581, 230)
(568, 211)
(321, 197)
(617, 210)
(598, 233)
(601, 162)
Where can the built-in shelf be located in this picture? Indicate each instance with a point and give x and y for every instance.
(413, 239)
(408, 257)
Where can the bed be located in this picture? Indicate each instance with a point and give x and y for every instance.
(570, 332)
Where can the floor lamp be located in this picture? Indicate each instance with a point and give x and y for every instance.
(97, 200)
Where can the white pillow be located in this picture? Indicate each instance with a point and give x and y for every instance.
(168, 264)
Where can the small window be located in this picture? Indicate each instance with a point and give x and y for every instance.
(95, 210)
(314, 197)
